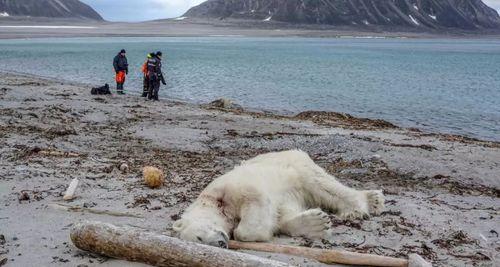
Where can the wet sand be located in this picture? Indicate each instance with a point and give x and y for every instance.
(442, 191)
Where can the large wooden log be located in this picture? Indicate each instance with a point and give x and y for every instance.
(133, 244)
(324, 255)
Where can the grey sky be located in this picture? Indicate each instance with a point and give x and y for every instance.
(138, 10)
(493, 3)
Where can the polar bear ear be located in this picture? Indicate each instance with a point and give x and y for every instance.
(179, 225)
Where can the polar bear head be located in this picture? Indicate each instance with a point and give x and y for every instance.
(204, 231)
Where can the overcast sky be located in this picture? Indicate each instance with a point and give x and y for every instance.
(139, 10)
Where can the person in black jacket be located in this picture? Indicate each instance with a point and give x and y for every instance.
(120, 65)
(155, 76)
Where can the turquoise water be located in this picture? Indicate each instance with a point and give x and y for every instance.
(450, 86)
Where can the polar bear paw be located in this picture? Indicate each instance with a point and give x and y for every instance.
(312, 224)
(364, 204)
(376, 201)
(354, 215)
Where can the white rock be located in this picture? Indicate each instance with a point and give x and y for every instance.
(70, 192)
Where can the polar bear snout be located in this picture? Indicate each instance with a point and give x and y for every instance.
(223, 241)
(202, 231)
(214, 239)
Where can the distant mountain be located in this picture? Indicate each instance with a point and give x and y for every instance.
(48, 8)
(423, 14)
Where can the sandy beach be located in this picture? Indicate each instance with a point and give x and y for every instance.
(442, 191)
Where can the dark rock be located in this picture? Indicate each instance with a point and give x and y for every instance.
(88, 205)
(175, 217)
(422, 14)
(49, 8)
(23, 196)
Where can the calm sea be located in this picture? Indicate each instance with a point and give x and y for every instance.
(442, 85)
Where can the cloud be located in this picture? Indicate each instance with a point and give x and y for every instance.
(493, 3)
(140, 10)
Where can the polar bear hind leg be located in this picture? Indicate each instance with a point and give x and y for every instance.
(347, 202)
(323, 190)
(326, 192)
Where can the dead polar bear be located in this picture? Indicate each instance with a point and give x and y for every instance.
(273, 193)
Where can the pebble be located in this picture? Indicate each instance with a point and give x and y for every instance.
(23, 196)
(124, 167)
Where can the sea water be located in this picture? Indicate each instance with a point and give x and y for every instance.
(440, 85)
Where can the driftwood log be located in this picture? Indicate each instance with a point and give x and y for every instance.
(323, 255)
(133, 244)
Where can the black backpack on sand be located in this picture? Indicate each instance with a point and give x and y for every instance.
(103, 90)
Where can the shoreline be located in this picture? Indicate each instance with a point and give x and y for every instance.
(212, 28)
(328, 118)
(442, 194)
(55, 35)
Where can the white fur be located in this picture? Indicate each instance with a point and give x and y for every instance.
(273, 193)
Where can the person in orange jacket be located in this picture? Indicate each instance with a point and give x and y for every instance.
(120, 64)
(145, 81)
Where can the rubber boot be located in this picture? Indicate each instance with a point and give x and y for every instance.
(119, 88)
(156, 93)
(145, 87)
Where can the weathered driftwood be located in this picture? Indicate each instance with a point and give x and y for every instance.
(70, 192)
(66, 207)
(133, 244)
(56, 153)
(323, 255)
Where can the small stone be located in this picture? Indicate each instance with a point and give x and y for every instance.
(23, 196)
(124, 167)
(89, 205)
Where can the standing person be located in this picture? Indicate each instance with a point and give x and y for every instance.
(120, 64)
(152, 74)
(145, 81)
(155, 76)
